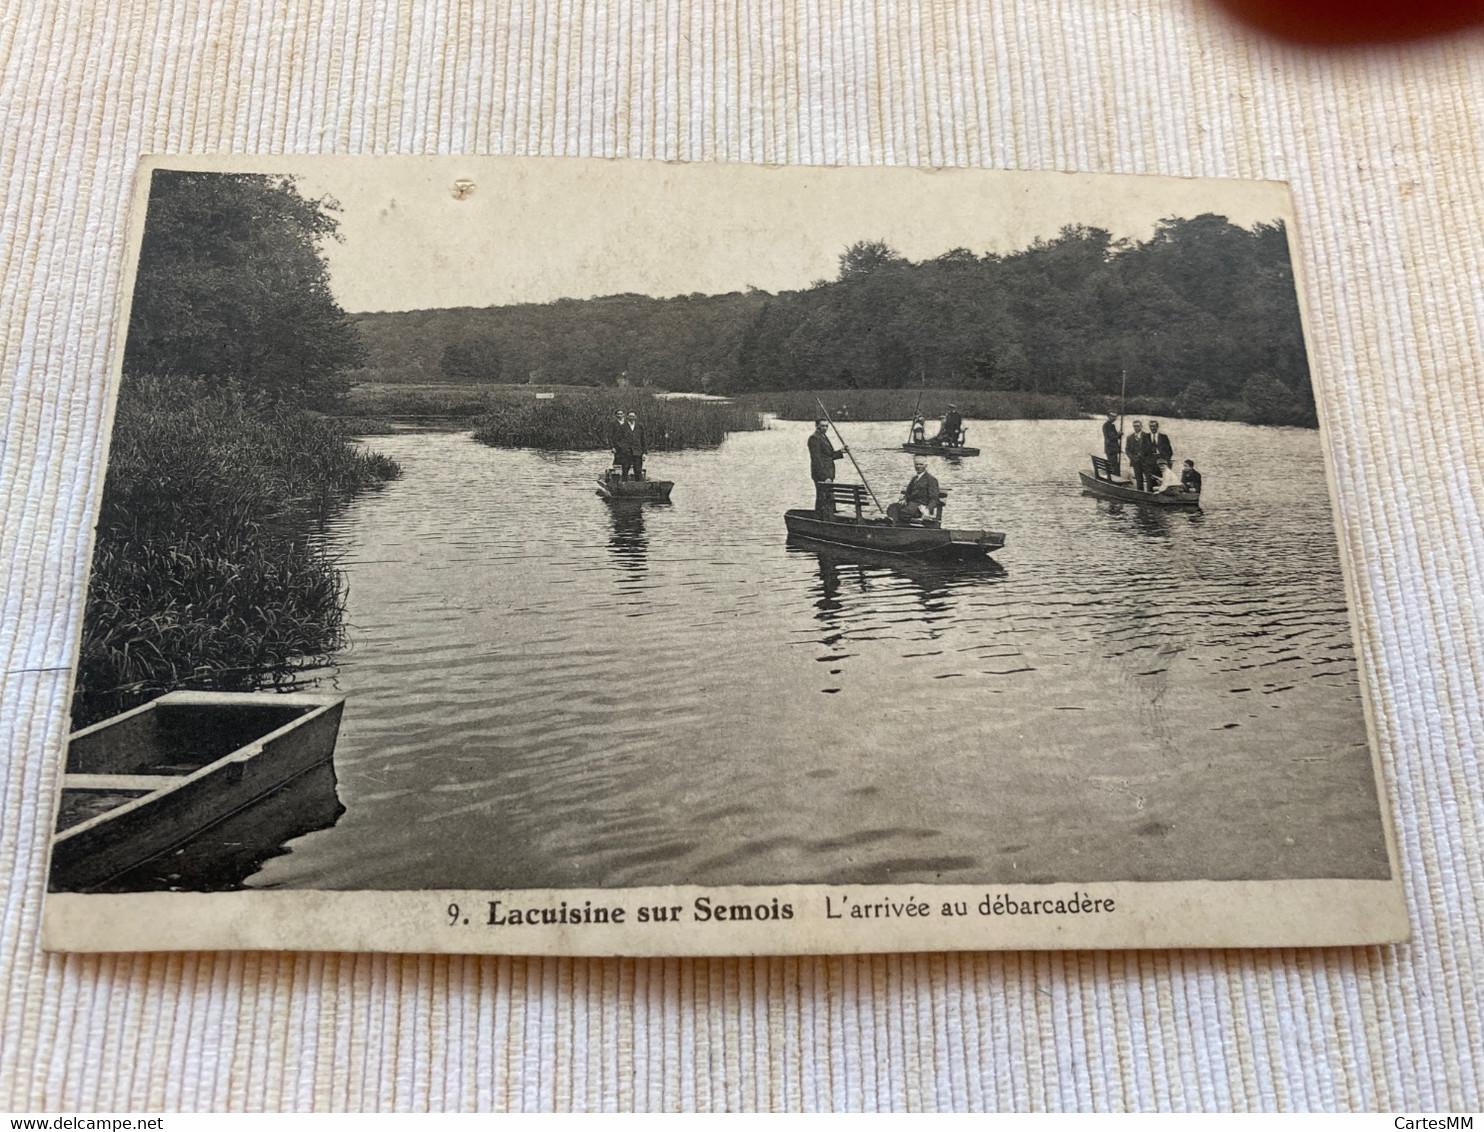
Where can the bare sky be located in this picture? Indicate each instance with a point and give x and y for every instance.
(532, 230)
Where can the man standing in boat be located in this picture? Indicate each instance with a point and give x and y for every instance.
(616, 429)
(1138, 450)
(822, 457)
(1162, 452)
(631, 447)
(1112, 443)
(919, 498)
(949, 430)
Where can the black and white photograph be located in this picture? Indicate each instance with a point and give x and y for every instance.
(585, 557)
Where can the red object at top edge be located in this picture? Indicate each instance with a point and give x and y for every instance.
(1335, 22)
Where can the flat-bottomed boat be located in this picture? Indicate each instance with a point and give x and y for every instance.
(1102, 483)
(611, 486)
(918, 539)
(926, 449)
(151, 779)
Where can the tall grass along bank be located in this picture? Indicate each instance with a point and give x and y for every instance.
(579, 420)
(207, 572)
(420, 403)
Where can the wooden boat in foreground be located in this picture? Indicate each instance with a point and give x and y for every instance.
(1103, 484)
(610, 486)
(924, 539)
(146, 781)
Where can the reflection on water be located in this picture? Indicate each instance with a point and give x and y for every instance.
(224, 856)
(628, 542)
(856, 585)
(1156, 522)
(579, 692)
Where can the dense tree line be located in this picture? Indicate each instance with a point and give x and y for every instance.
(687, 343)
(1203, 315)
(232, 286)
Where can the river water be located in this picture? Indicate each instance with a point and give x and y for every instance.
(549, 690)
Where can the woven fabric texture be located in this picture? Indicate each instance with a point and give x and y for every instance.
(1382, 148)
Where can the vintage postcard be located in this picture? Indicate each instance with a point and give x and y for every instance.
(622, 558)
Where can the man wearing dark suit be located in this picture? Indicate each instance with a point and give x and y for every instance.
(949, 432)
(1190, 479)
(1164, 452)
(1112, 444)
(919, 498)
(616, 429)
(631, 448)
(1140, 453)
(822, 457)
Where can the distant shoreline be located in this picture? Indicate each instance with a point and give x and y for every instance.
(373, 407)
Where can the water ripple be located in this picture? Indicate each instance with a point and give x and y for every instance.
(579, 693)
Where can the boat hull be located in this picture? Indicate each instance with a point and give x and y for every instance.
(655, 491)
(1107, 490)
(938, 450)
(882, 537)
(929, 570)
(151, 779)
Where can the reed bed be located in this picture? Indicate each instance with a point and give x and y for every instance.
(367, 426)
(202, 611)
(899, 404)
(207, 572)
(579, 420)
(419, 401)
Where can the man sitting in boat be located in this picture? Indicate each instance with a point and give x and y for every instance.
(950, 432)
(919, 498)
(1190, 479)
(1171, 482)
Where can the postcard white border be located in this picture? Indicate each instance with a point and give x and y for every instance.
(1119, 915)
(1178, 914)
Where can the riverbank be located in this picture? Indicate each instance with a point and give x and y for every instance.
(900, 404)
(429, 402)
(206, 569)
(526, 415)
(552, 417)
(581, 420)
(983, 405)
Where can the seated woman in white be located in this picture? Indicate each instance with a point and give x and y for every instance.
(1169, 480)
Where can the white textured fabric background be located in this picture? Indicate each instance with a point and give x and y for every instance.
(1383, 151)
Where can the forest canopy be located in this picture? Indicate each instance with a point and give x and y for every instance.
(232, 286)
(206, 569)
(1203, 315)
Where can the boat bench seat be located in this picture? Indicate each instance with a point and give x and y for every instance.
(855, 495)
(1102, 471)
(942, 499)
(846, 495)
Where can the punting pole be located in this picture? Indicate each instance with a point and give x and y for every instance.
(1122, 403)
(849, 453)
